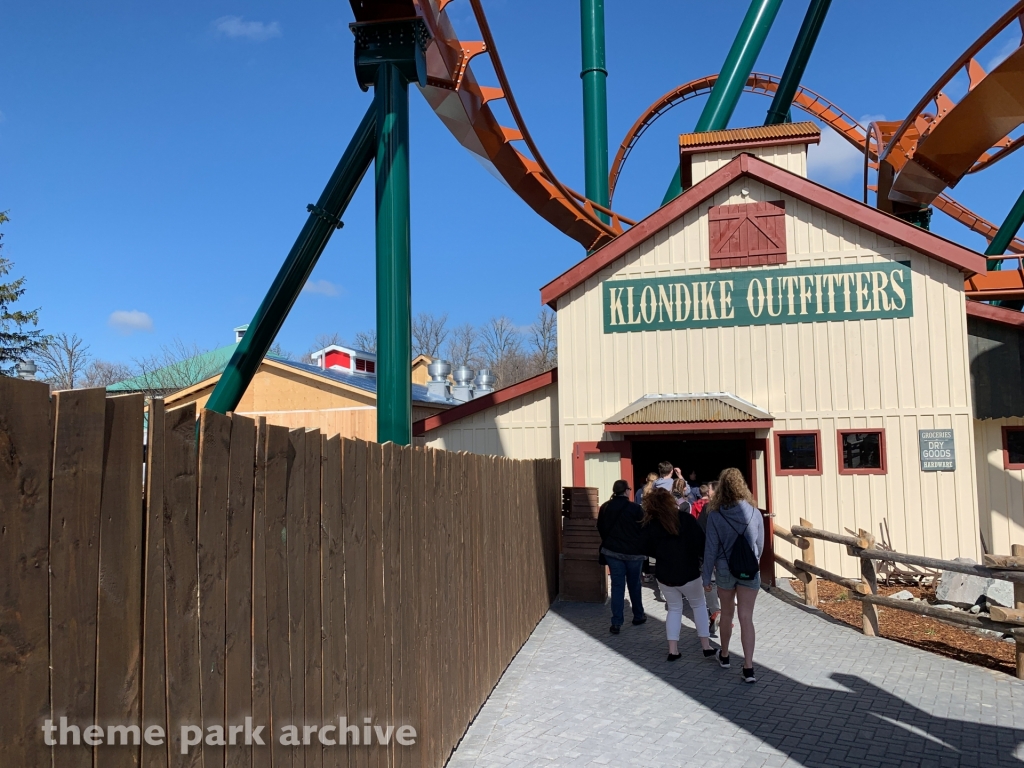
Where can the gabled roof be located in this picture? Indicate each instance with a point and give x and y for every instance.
(482, 403)
(747, 166)
(702, 410)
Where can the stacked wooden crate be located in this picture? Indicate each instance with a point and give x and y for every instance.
(583, 577)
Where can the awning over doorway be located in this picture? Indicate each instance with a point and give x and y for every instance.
(700, 411)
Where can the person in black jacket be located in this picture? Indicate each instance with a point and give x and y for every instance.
(618, 522)
(674, 538)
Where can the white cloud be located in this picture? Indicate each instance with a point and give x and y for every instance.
(128, 321)
(1009, 47)
(257, 31)
(321, 288)
(834, 160)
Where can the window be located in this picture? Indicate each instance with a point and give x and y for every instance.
(371, 367)
(861, 452)
(1013, 447)
(798, 453)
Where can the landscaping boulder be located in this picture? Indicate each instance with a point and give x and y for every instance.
(902, 595)
(1000, 592)
(961, 589)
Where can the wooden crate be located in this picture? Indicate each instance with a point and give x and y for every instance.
(580, 539)
(583, 581)
(580, 503)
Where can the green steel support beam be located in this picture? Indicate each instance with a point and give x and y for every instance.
(735, 71)
(778, 112)
(394, 281)
(1004, 235)
(595, 103)
(324, 219)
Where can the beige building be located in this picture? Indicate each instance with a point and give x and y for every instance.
(763, 321)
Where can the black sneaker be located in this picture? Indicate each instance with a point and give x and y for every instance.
(709, 653)
(748, 675)
(723, 661)
(674, 656)
(638, 622)
(614, 629)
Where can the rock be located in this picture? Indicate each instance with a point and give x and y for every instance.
(904, 595)
(975, 609)
(1000, 593)
(947, 607)
(961, 589)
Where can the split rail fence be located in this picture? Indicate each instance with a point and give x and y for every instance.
(253, 571)
(1006, 568)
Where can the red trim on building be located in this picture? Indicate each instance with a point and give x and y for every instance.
(579, 459)
(688, 426)
(747, 166)
(779, 471)
(1006, 451)
(1002, 315)
(883, 470)
(497, 397)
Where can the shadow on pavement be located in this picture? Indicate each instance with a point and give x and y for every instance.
(861, 725)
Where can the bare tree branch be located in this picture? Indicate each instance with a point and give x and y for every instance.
(502, 347)
(63, 360)
(366, 341)
(322, 341)
(178, 365)
(101, 373)
(544, 338)
(463, 346)
(428, 334)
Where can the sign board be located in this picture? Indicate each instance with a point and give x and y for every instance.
(758, 297)
(938, 454)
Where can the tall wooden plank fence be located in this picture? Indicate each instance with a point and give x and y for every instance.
(252, 571)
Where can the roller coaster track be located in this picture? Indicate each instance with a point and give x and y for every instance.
(462, 104)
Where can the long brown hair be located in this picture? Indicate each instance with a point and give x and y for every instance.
(661, 505)
(732, 489)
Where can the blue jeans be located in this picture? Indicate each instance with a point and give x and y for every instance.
(625, 573)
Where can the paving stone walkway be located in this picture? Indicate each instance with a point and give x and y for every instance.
(826, 697)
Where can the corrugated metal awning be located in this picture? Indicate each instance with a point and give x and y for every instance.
(798, 132)
(703, 408)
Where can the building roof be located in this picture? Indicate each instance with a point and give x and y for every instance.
(759, 136)
(703, 409)
(482, 403)
(365, 383)
(206, 364)
(1002, 315)
(747, 166)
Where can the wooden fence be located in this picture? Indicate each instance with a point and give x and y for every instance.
(862, 546)
(257, 572)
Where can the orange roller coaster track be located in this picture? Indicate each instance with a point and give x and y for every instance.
(807, 101)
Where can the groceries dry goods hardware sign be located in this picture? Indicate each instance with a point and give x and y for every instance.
(758, 297)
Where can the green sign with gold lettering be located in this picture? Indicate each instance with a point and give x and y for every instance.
(758, 297)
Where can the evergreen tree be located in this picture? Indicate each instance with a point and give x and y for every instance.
(16, 342)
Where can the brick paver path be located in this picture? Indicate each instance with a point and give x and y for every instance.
(826, 697)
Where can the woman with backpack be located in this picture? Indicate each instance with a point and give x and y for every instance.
(735, 540)
(675, 540)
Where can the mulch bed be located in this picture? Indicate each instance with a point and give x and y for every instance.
(918, 631)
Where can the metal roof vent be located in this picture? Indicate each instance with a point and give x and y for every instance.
(437, 387)
(463, 389)
(27, 370)
(484, 383)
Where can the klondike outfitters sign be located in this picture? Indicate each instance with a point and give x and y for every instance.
(758, 297)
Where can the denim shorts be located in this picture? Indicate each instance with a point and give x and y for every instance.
(726, 580)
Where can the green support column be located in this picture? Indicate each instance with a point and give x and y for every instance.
(324, 219)
(394, 281)
(733, 77)
(595, 102)
(778, 112)
(390, 55)
(1004, 236)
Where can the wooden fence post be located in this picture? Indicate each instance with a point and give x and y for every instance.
(868, 574)
(811, 585)
(1017, 550)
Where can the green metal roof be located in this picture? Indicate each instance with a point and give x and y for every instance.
(211, 363)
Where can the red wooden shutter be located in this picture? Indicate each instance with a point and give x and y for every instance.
(747, 235)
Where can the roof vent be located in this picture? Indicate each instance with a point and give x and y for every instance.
(27, 370)
(463, 389)
(484, 383)
(240, 333)
(437, 387)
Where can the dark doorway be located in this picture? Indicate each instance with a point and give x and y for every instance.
(708, 456)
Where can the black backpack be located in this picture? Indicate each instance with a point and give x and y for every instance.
(743, 564)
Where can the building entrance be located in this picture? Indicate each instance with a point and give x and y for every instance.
(707, 456)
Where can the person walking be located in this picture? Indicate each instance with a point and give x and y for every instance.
(701, 511)
(675, 540)
(735, 540)
(618, 522)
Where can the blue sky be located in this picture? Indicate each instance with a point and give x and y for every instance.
(156, 159)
